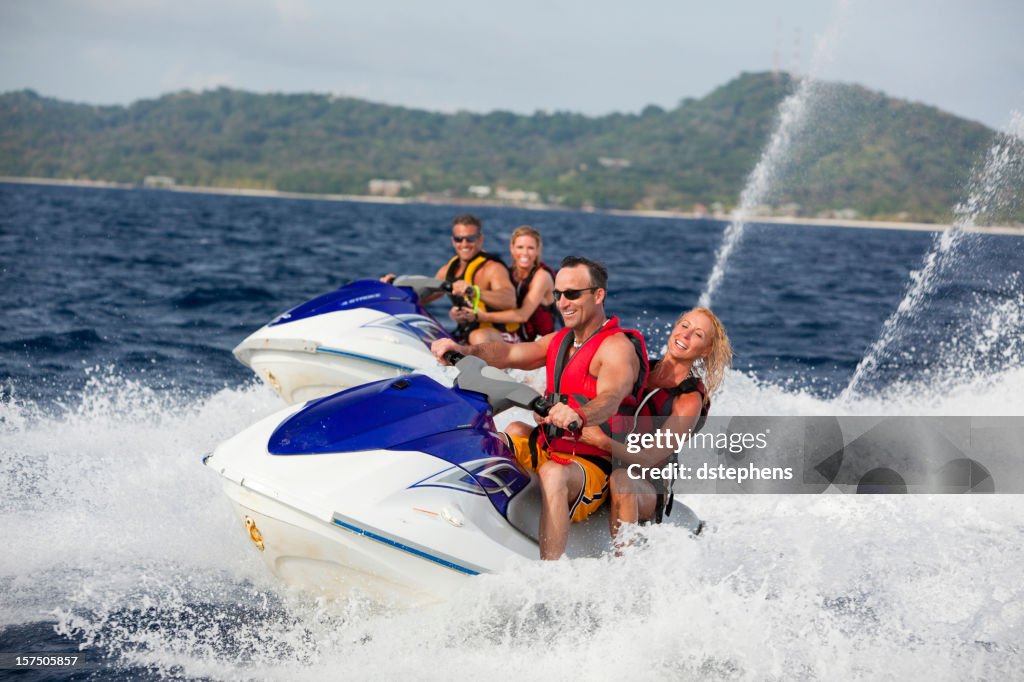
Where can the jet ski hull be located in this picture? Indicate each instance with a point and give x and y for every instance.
(333, 561)
(363, 332)
(400, 489)
(393, 524)
(315, 358)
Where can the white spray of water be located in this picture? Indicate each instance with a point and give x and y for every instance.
(113, 480)
(794, 112)
(996, 177)
(117, 532)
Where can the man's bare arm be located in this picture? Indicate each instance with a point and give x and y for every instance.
(496, 289)
(616, 375)
(498, 353)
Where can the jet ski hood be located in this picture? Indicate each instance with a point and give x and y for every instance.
(364, 293)
(382, 415)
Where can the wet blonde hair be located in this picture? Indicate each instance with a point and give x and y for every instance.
(712, 368)
(527, 231)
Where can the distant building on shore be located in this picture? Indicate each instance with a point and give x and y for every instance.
(158, 182)
(614, 164)
(517, 196)
(388, 188)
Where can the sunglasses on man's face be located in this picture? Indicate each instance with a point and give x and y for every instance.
(471, 238)
(572, 294)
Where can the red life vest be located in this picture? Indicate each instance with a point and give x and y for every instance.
(546, 317)
(571, 379)
(655, 406)
(658, 403)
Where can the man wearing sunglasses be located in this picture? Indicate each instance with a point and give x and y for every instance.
(480, 282)
(595, 370)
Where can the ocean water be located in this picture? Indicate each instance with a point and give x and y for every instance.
(120, 310)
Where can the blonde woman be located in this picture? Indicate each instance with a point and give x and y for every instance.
(534, 283)
(680, 385)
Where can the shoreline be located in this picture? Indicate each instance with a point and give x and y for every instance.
(664, 215)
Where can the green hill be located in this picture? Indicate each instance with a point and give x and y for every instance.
(861, 150)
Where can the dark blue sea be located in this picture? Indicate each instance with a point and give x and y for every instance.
(120, 310)
(161, 285)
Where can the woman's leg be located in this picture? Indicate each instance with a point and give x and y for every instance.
(632, 500)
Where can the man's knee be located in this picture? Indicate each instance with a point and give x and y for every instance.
(484, 336)
(557, 479)
(519, 430)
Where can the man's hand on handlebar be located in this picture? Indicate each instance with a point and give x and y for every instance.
(442, 346)
(460, 287)
(462, 315)
(562, 416)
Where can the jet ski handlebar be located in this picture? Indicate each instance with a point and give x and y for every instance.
(501, 390)
(452, 357)
(542, 406)
(421, 285)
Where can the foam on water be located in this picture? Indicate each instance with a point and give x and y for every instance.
(120, 535)
(110, 489)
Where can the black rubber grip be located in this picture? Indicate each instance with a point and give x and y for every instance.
(541, 406)
(451, 357)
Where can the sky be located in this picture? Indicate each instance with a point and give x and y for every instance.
(591, 57)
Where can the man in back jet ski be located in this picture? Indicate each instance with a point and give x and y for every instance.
(595, 370)
(480, 282)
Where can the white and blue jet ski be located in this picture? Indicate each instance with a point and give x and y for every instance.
(401, 488)
(362, 332)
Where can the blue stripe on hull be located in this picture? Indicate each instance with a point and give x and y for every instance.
(405, 548)
(357, 356)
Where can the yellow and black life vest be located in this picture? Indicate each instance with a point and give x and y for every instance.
(468, 274)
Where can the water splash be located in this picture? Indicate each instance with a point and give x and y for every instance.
(108, 481)
(801, 593)
(792, 116)
(124, 542)
(998, 190)
(794, 112)
(994, 189)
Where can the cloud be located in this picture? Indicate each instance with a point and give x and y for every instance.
(293, 13)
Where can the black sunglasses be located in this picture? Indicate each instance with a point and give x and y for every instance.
(572, 294)
(469, 238)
